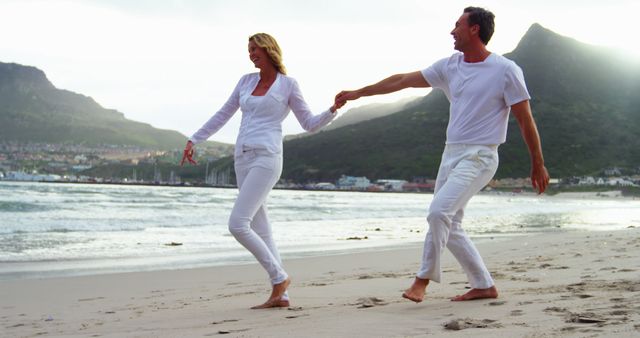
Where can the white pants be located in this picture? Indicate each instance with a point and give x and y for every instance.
(257, 171)
(463, 172)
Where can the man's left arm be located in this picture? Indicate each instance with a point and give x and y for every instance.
(539, 174)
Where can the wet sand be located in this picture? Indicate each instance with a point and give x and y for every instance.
(573, 284)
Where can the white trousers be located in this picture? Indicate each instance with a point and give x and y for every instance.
(464, 171)
(257, 171)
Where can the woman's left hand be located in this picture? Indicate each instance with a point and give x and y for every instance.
(187, 154)
(337, 105)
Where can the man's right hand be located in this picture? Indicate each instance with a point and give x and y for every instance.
(539, 178)
(346, 95)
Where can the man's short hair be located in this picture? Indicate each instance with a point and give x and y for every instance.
(484, 19)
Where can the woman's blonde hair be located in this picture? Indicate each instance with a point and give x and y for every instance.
(270, 45)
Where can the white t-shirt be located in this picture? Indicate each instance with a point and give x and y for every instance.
(481, 95)
(262, 116)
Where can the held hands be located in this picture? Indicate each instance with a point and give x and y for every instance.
(339, 102)
(187, 154)
(336, 106)
(344, 96)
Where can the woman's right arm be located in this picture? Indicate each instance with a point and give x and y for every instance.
(214, 124)
(220, 118)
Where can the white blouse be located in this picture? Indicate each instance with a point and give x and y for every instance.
(262, 116)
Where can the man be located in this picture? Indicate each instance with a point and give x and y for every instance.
(482, 88)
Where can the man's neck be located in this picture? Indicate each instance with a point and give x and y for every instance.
(478, 54)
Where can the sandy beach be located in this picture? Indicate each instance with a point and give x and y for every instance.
(554, 284)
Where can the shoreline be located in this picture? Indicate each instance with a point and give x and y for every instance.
(578, 193)
(52, 269)
(42, 270)
(550, 284)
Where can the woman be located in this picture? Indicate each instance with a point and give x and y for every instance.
(265, 99)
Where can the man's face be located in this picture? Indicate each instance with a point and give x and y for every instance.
(461, 33)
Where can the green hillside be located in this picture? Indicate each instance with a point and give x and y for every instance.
(33, 110)
(584, 100)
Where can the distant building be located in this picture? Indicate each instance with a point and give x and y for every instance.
(621, 182)
(22, 176)
(391, 185)
(510, 183)
(324, 186)
(615, 171)
(81, 167)
(587, 180)
(353, 183)
(418, 187)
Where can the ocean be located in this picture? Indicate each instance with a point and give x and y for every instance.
(54, 229)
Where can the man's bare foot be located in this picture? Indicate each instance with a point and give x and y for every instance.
(491, 292)
(417, 290)
(275, 300)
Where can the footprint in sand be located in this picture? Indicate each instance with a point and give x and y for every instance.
(367, 302)
(619, 313)
(461, 282)
(626, 270)
(468, 323)
(498, 275)
(555, 309)
(224, 321)
(609, 268)
(231, 331)
(585, 317)
(297, 316)
(579, 329)
(365, 277)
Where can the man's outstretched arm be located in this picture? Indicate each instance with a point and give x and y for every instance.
(391, 84)
(539, 174)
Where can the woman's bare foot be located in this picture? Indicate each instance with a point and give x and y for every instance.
(491, 292)
(417, 290)
(275, 300)
(272, 303)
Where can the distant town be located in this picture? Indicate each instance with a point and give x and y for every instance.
(42, 162)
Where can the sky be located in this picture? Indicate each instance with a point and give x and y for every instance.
(173, 63)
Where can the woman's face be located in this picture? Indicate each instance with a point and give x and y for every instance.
(258, 56)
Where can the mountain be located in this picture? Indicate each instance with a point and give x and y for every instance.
(584, 100)
(32, 109)
(370, 112)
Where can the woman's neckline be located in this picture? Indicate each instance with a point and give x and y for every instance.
(268, 89)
